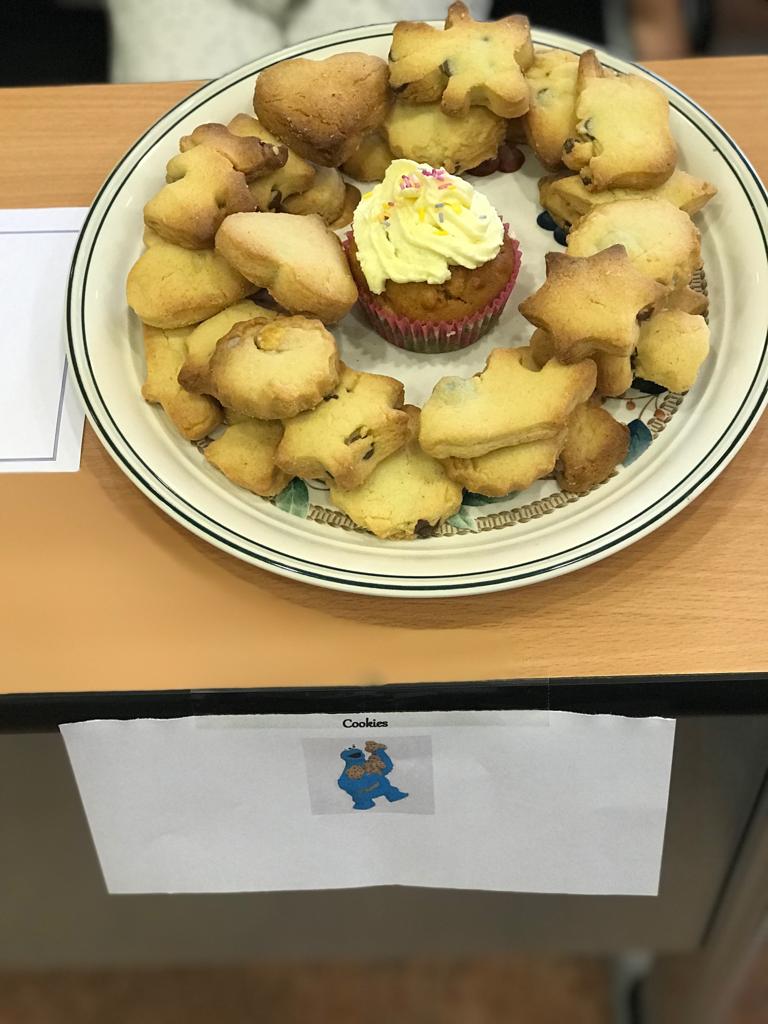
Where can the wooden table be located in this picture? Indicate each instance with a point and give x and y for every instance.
(103, 593)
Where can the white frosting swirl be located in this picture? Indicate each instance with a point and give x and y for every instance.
(419, 222)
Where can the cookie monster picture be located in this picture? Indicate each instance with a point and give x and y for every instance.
(366, 779)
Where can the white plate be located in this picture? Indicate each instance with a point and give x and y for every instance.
(494, 546)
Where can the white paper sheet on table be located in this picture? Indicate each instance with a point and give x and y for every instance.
(41, 417)
(525, 801)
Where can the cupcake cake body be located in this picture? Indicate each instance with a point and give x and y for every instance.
(433, 262)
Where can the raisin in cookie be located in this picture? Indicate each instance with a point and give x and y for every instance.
(344, 438)
(407, 495)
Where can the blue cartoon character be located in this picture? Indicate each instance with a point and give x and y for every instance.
(365, 780)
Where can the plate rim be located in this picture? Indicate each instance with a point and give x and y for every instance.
(360, 581)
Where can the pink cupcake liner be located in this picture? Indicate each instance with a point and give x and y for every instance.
(431, 338)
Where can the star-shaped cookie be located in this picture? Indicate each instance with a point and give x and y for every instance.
(592, 303)
(468, 63)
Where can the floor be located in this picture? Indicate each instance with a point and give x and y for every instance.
(500, 990)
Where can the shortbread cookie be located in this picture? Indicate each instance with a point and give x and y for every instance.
(203, 188)
(323, 109)
(427, 135)
(325, 196)
(296, 175)
(671, 349)
(552, 88)
(351, 199)
(252, 156)
(194, 416)
(170, 286)
(473, 63)
(344, 438)
(274, 369)
(687, 300)
(507, 469)
(595, 445)
(661, 240)
(568, 199)
(370, 160)
(622, 137)
(614, 373)
(408, 494)
(508, 403)
(201, 342)
(592, 304)
(297, 259)
(245, 453)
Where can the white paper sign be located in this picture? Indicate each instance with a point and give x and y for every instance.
(41, 417)
(529, 801)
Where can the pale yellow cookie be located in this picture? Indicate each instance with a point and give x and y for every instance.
(507, 469)
(344, 438)
(614, 373)
(201, 342)
(274, 369)
(407, 495)
(510, 402)
(552, 88)
(245, 453)
(370, 160)
(194, 416)
(428, 135)
(672, 347)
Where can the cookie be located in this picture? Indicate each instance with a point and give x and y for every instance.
(567, 198)
(273, 369)
(296, 174)
(687, 300)
(592, 304)
(471, 63)
(622, 137)
(194, 416)
(370, 160)
(510, 402)
(614, 373)
(426, 134)
(661, 240)
(325, 196)
(351, 199)
(284, 253)
(201, 342)
(252, 156)
(671, 349)
(507, 469)
(203, 188)
(407, 495)
(245, 454)
(595, 445)
(344, 438)
(323, 109)
(170, 286)
(552, 91)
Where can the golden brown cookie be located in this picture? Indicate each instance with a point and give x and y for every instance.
(351, 199)
(428, 135)
(325, 196)
(614, 373)
(552, 87)
(622, 137)
(507, 469)
(671, 349)
(510, 402)
(344, 438)
(274, 369)
(252, 156)
(203, 188)
(323, 109)
(661, 240)
(687, 300)
(201, 342)
(568, 199)
(471, 63)
(296, 175)
(408, 494)
(245, 454)
(592, 304)
(371, 159)
(297, 259)
(595, 445)
(170, 286)
(194, 416)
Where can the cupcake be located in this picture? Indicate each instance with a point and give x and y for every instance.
(432, 260)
